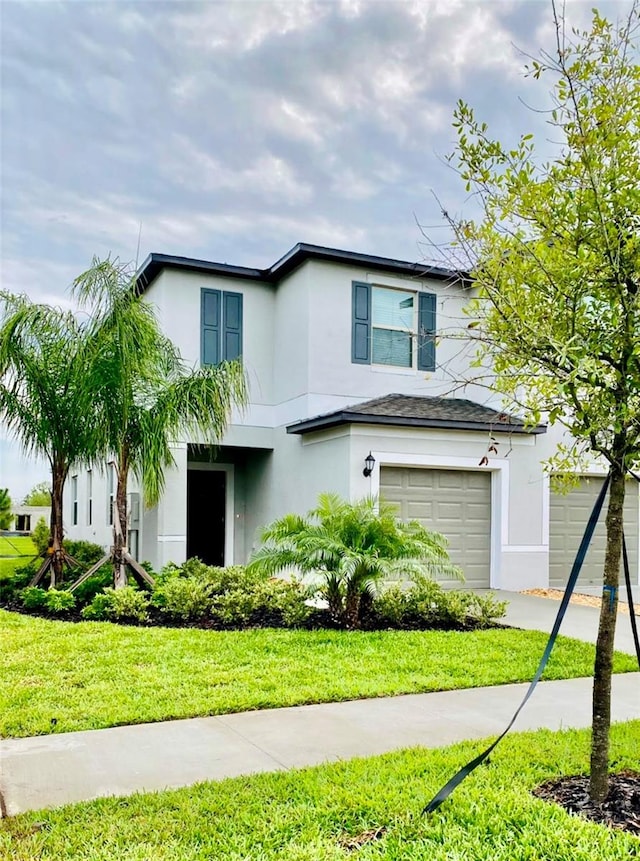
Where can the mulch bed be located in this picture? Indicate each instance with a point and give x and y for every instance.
(620, 809)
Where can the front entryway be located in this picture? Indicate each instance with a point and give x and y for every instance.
(206, 521)
(456, 503)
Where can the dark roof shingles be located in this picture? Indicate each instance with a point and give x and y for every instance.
(419, 411)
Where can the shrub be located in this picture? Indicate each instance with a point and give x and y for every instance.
(486, 609)
(40, 535)
(425, 604)
(390, 607)
(86, 592)
(218, 580)
(13, 581)
(183, 598)
(118, 605)
(33, 598)
(85, 552)
(59, 601)
(269, 602)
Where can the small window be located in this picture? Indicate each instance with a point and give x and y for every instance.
(89, 497)
(111, 478)
(74, 500)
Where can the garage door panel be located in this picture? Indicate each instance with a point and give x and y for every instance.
(420, 510)
(393, 477)
(419, 478)
(476, 511)
(450, 510)
(458, 506)
(568, 516)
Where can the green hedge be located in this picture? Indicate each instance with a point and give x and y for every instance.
(232, 597)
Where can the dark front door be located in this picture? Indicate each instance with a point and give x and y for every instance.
(206, 502)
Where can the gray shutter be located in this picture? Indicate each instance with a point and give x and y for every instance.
(361, 323)
(427, 332)
(232, 319)
(210, 312)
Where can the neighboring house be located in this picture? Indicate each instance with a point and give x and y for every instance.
(26, 517)
(346, 354)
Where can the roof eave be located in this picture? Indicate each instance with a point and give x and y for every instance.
(345, 417)
(296, 256)
(155, 263)
(301, 252)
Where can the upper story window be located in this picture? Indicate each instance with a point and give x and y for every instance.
(221, 326)
(393, 327)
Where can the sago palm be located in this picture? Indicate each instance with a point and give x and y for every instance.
(148, 396)
(352, 546)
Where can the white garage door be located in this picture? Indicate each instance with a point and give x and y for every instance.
(453, 502)
(568, 516)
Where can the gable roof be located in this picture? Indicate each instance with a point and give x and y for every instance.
(155, 263)
(418, 411)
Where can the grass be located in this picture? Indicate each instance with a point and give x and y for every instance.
(94, 674)
(15, 551)
(17, 546)
(307, 815)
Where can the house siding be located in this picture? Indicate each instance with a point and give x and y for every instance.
(297, 352)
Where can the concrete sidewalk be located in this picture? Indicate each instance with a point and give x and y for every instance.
(47, 771)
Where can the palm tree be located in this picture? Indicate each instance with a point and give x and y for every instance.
(351, 545)
(148, 396)
(5, 508)
(44, 399)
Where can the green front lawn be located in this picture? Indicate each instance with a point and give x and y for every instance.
(15, 552)
(309, 815)
(17, 546)
(94, 674)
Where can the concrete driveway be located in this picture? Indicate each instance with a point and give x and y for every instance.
(538, 614)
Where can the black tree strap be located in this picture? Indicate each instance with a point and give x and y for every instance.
(632, 615)
(457, 778)
(627, 580)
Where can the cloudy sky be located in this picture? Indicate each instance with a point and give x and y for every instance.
(230, 131)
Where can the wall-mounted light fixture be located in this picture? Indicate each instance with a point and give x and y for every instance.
(369, 463)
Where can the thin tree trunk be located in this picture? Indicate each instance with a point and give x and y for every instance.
(120, 525)
(599, 780)
(56, 527)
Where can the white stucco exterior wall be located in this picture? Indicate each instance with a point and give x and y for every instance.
(297, 354)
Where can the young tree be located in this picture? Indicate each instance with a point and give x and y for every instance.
(44, 399)
(555, 257)
(5, 508)
(351, 545)
(147, 395)
(40, 494)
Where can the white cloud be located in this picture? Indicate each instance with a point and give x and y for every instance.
(244, 26)
(267, 175)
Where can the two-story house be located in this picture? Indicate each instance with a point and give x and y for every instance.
(347, 355)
